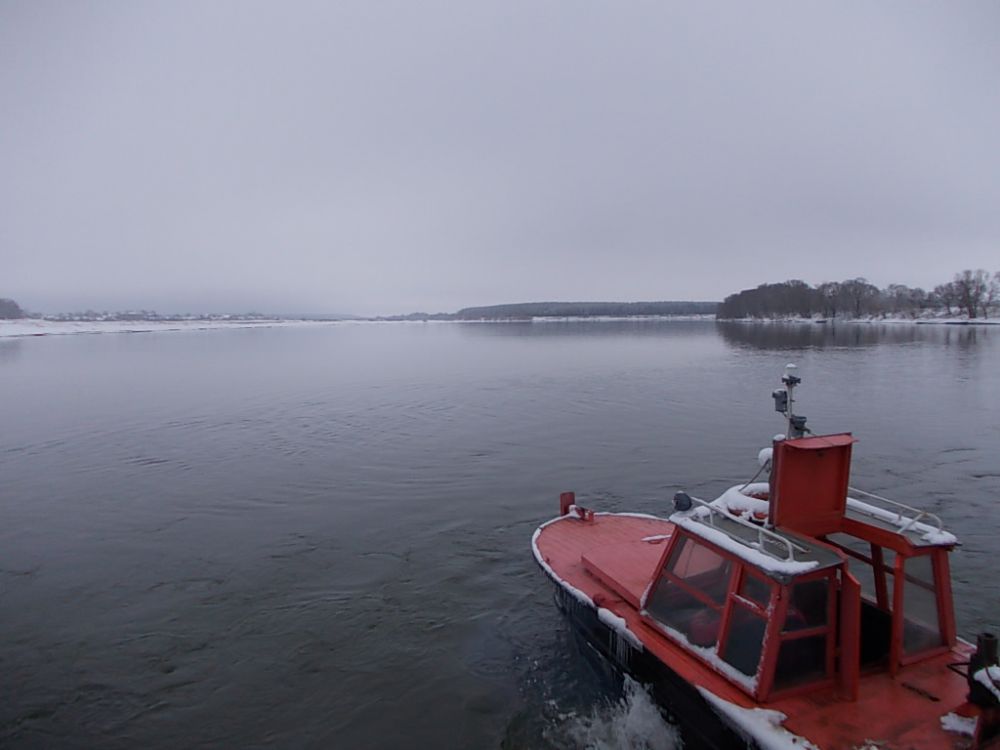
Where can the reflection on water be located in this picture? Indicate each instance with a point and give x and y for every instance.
(556, 328)
(788, 336)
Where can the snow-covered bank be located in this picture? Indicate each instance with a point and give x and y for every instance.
(39, 327)
(580, 319)
(871, 321)
(36, 327)
(612, 318)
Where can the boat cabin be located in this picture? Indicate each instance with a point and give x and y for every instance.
(828, 588)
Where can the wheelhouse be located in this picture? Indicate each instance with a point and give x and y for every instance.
(815, 599)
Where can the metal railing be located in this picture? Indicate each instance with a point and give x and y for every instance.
(762, 533)
(910, 522)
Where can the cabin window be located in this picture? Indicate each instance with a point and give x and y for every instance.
(921, 625)
(889, 571)
(689, 594)
(865, 574)
(746, 639)
(800, 661)
(872, 566)
(807, 607)
(861, 562)
(756, 590)
(700, 567)
(805, 635)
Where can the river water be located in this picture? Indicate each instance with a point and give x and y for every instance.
(319, 537)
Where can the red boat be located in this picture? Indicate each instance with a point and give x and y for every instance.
(785, 614)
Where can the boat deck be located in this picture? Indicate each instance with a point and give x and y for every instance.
(611, 560)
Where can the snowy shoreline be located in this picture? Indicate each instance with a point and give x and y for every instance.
(35, 327)
(26, 327)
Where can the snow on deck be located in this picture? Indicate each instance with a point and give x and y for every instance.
(761, 725)
(989, 678)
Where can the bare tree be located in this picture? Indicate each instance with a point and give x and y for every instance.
(981, 290)
(972, 288)
(919, 301)
(862, 297)
(897, 298)
(9, 309)
(992, 294)
(829, 292)
(946, 296)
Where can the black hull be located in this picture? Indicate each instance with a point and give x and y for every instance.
(700, 726)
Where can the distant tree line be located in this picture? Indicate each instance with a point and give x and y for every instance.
(585, 310)
(9, 309)
(974, 294)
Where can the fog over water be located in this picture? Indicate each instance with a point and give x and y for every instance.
(377, 158)
(316, 537)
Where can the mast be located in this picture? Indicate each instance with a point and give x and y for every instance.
(784, 403)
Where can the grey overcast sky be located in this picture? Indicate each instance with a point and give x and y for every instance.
(383, 157)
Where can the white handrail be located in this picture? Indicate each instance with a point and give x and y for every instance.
(762, 533)
(910, 521)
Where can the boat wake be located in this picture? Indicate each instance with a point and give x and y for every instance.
(631, 723)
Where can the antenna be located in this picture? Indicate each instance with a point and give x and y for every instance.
(784, 403)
